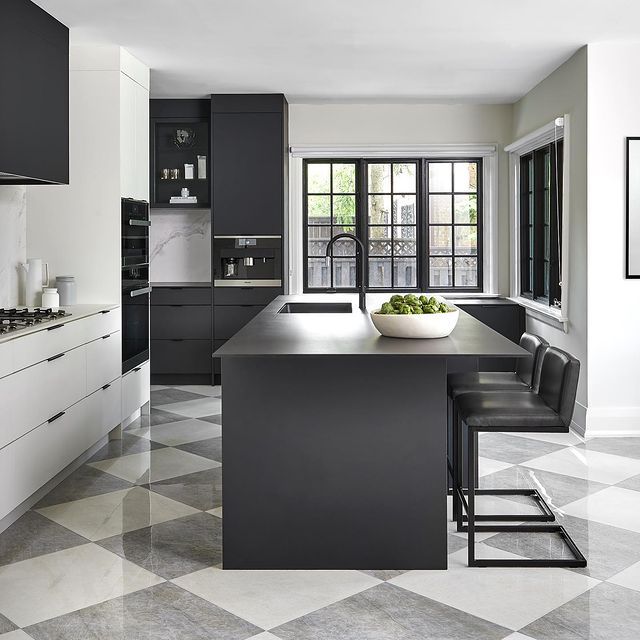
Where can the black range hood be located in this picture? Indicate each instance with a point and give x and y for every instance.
(34, 95)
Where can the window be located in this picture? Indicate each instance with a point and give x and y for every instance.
(541, 224)
(420, 221)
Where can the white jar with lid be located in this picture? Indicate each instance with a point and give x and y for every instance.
(50, 298)
(66, 286)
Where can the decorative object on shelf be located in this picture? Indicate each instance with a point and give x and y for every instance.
(188, 172)
(184, 192)
(184, 138)
(66, 286)
(633, 208)
(34, 280)
(202, 167)
(164, 174)
(183, 200)
(175, 174)
(50, 298)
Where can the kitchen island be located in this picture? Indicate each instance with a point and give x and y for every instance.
(335, 439)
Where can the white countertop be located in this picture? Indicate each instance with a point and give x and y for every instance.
(74, 312)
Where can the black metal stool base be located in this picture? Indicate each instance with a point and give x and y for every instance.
(578, 559)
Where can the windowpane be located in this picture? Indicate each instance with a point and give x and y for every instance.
(380, 241)
(344, 210)
(319, 209)
(344, 273)
(380, 272)
(440, 272)
(317, 239)
(379, 209)
(439, 209)
(379, 178)
(404, 209)
(439, 176)
(317, 273)
(466, 209)
(466, 241)
(404, 178)
(440, 240)
(466, 272)
(404, 243)
(465, 176)
(344, 178)
(405, 272)
(318, 178)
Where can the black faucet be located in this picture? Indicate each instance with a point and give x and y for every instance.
(362, 294)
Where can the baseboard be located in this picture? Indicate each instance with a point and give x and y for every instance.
(34, 498)
(613, 422)
(579, 422)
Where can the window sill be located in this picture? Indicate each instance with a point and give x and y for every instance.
(543, 312)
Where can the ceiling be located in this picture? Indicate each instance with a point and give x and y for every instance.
(350, 50)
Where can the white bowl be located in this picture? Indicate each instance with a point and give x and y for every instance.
(422, 325)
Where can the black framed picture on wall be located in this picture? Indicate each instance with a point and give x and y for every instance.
(633, 208)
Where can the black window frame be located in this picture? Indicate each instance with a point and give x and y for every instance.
(422, 222)
(534, 191)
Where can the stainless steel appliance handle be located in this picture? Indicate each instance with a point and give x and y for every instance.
(139, 292)
(139, 223)
(237, 282)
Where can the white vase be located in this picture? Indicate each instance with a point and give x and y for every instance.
(50, 298)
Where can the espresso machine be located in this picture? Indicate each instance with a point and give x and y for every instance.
(247, 261)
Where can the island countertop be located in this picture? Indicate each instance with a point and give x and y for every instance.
(350, 334)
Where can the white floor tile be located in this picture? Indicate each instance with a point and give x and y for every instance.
(567, 439)
(194, 408)
(158, 387)
(511, 597)
(156, 465)
(271, 598)
(66, 581)
(216, 512)
(18, 634)
(114, 513)
(629, 578)
(614, 506)
(182, 432)
(265, 635)
(488, 465)
(202, 389)
(586, 464)
(518, 636)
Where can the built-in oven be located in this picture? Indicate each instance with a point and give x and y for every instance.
(247, 261)
(135, 283)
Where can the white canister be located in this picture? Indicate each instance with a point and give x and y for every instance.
(50, 298)
(188, 172)
(66, 286)
(202, 167)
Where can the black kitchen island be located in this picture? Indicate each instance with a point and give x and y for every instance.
(335, 439)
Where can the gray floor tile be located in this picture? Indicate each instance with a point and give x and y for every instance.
(163, 612)
(201, 490)
(174, 548)
(6, 625)
(628, 447)
(500, 446)
(608, 550)
(155, 417)
(606, 612)
(383, 574)
(557, 489)
(167, 396)
(83, 483)
(389, 612)
(455, 543)
(211, 448)
(34, 535)
(630, 483)
(126, 446)
(217, 419)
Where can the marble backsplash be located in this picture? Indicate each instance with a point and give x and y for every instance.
(13, 242)
(180, 248)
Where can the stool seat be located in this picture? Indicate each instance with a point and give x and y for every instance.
(484, 381)
(502, 409)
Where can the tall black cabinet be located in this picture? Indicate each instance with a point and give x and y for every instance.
(249, 164)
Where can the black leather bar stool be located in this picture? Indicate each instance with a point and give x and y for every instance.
(549, 410)
(525, 378)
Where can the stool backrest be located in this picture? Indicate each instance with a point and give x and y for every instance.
(559, 382)
(528, 369)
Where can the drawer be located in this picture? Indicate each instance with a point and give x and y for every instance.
(245, 295)
(6, 358)
(229, 320)
(135, 389)
(33, 395)
(181, 356)
(101, 324)
(104, 361)
(104, 411)
(181, 295)
(192, 322)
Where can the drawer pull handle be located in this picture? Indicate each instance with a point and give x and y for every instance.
(52, 358)
(54, 418)
(177, 339)
(106, 386)
(107, 336)
(58, 326)
(137, 369)
(176, 305)
(105, 311)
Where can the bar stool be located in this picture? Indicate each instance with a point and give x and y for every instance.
(525, 378)
(547, 410)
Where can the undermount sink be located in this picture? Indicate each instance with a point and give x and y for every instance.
(317, 307)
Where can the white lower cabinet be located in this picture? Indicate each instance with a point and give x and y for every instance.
(104, 360)
(104, 410)
(135, 389)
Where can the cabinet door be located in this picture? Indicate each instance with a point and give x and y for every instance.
(229, 320)
(135, 389)
(141, 142)
(104, 361)
(171, 322)
(127, 136)
(248, 173)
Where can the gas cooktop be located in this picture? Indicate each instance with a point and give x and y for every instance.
(16, 319)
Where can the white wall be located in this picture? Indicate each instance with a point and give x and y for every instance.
(371, 124)
(614, 302)
(13, 242)
(565, 91)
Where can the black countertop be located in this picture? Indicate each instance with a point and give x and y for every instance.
(274, 334)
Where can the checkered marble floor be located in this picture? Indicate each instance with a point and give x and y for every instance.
(129, 547)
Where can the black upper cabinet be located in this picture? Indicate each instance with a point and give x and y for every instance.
(34, 90)
(249, 150)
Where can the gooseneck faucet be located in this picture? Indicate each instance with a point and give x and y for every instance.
(360, 248)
